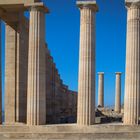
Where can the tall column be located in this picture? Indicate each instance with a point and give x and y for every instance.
(36, 95)
(132, 77)
(22, 69)
(101, 89)
(0, 76)
(118, 93)
(16, 71)
(10, 74)
(86, 87)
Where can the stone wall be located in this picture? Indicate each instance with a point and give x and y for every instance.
(61, 102)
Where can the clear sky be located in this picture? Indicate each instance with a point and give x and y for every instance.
(62, 36)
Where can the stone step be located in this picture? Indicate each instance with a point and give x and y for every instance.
(71, 136)
(69, 128)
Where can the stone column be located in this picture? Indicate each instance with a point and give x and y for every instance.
(16, 56)
(118, 93)
(101, 89)
(86, 87)
(22, 68)
(10, 74)
(36, 95)
(0, 76)
(132, 77)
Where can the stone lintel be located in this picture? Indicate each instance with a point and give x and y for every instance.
(15, 5)
(39, 5)
(10, 17)
(89, 3)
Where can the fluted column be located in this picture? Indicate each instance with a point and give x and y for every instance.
(16, 57)
(36, 95)
(132, 77)
(101, 89)
(118, 93)
(86, 87)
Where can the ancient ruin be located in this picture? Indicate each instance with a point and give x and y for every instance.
(86, 89)
(35, 95)
(132, 82)
(20, 67)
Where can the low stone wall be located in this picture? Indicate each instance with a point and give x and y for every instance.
(70, 132)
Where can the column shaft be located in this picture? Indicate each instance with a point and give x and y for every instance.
(16, 72)
(21, 70)
(132, 78)
(86, 88)
(10, 75)
(36, 96)
(118, 93)
(101, 89)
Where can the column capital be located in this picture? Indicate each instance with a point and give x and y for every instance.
(132, 4)
(118, 73)
(37, 6)
(91, 4)
(100, 73)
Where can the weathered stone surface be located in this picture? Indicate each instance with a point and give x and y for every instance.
(16, 72)
(36, 90)
(86, 87)
(61, 103)
(22, 67)
(10, 75)
(17, 34)
(132, 76)
(71, 132)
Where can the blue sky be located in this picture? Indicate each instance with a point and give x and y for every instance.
(62, 36)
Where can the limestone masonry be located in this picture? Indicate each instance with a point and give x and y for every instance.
(35, 95)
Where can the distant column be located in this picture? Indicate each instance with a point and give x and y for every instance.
(118, 93)
(132, 77)
(36, 95)
(101, 89)
(0, 76)
(86, 88)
